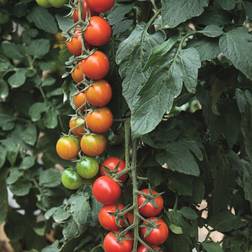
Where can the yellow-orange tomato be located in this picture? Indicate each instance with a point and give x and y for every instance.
(100, 120)
(76, 125)
(93, 144)
(99, 94)
(74, 45)
(68, 147)
(77, 74)
(79, 100)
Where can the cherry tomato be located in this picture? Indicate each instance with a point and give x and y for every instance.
(79, 100)
(99, 94)
(74, 45)
(112, 244)
(130, 218)
(93, 144)
(70, 179)
(100, 120)
(96, 66)
(76, 125)
(57, 3)
(98, 32)
(158, 235)
(142, 248)
(87, 167)
(100, 5)
(106, 190)
(115, 165)
(68, 147)
(84, 12)
(77, 74)
(153, 207)
(43, 3)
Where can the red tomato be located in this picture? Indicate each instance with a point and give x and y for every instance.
(158, 235)
(99, 93)
(100, 120)
(112, 244)
(115, 165)
(84, 12)
(100, 5)
(77, 74)
(142, 248)
(107, 217)
(106, 190)
(74, 45)
(98, 32)
(96, 66)
(151, 209)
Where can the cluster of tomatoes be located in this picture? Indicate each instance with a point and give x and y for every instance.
(51, 3)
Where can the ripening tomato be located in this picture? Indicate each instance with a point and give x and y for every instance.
(87, 167)
(57, 3)
(84, 12)
(77, 126)
(106, 190)
(95, 66)
(153, 207)
(100, 5)
(80, 100)
(99, 94)
(70, 179)
(74, 45)
(113, 165)
(111, 242)
(98, 32)
(43, 3)
(77, 74)
(68, 147)
(159, 233)
(107, 217)
(142, 248)
(100, 120)
(93, 144)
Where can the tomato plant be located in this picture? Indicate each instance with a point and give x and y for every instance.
(70, 179)
(87, 167)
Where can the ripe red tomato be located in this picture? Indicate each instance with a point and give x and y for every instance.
(115, 165)
(142, 248)
(70, 179)
(100, 120)
(93, 144)
(112, 244)
(74, 45)
(84, 12)
(151, 209)
(108, 220)
(106, 190)
(77, 74)
(68, 147)
(96, 66)
(79, 100)
(98, 32)
(100, 5)
(158, 235)
(99, 93)
(77, 126)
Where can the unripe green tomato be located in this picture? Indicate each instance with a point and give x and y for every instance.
(87, 167)
(43, 3)
(57, 3)
(71, 179)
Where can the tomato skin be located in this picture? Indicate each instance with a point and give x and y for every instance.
(149, 210)
(79, 100)
(74, 45)
(70, 179)
(68, 147)
(77, 74)
(113, 163)
(57, 3)
(96, 66)
(142, 248)
(99, 94)
(43, 3)
(76, 125)
(158, 235)
(100, 120)
(93, 144)
(106, 190)
(87, 167)
(98, 31)
(110, 243)
(107, 220)
(100, 5)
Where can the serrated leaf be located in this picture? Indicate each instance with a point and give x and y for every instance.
(29, 135)
(38, 47)
(49, 178)
(27, 162)
(212, 31)
(18, 78)
(212, 247)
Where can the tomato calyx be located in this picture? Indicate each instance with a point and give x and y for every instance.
(149, 198)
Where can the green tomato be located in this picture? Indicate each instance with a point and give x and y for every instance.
(43, 3)
(70, 179)
(87, 167)
(57, 3)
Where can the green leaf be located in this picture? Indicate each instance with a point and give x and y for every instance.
(4, 64)
(212, 246)
(176, 12)
(70, 230)
(11, 50)
(21, 187)
(27, 162)
(3, 153)
(43, 20)
(15, 174)
(39, 47)
(36, 110)
(29, 135)
(4, 197)
(7, 122)
(18, 78)
(212, 31)
(51, 118)
(49, 178)
(61, 215)
(48, 82)
(64, 23)
(188, 213)
(227, 4)
(4, 90)
(52, 248)
(236, 45)
(176, 229)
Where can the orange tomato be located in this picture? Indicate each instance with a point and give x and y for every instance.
(77, 126)
(74, 45)
(77, 74)
(79, 100)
